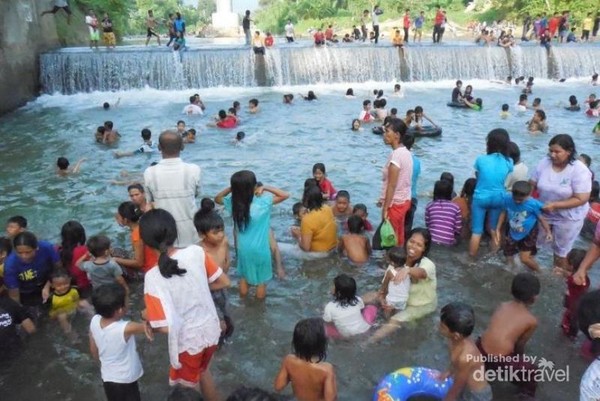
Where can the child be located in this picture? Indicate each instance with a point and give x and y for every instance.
(239, 137)
(538, 123)
(15, 225)
(457, 322)
(269, 40)
(320, 175)
(102, 269)
(143, 258)
(523, 214)
(190, 136)
(520, 169)
(211, 230)
(365, 115)
(356, 125)
(574, 292)
(504, 114)
(319, 38)
(288, 98)
(347, 315)
(226, 120)
(464, 202)
(420, 116)
(573, 104)
(448, 176)
(148, 145)
(510, 327)
(63, 301)
(62, 166)
(537, 104)
(355, 244)
(522, 104)
(312, 378)
(298, 210)
(112, 342)
(253, 106)
(342, 207)
(181, 128)
(393, 294)
(442, 216)
(360, 210)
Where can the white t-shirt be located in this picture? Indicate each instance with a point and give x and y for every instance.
(348, 320)
(375, 18)
(289, 30)
(589, 388)
(119, 360)
(192, 109)
(147, 147)
(397, 295)
(520, 173)
(92, 23)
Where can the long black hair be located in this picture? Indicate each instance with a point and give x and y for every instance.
(127, 210)
(72, 235)
(159, 231)
(243, 184)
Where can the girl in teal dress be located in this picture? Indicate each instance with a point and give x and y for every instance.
(250, 206)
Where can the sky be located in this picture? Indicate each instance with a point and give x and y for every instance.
(239, 6)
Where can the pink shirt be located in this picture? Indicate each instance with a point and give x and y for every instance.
(402, 159)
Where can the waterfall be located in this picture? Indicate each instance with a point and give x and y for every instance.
(71, 71)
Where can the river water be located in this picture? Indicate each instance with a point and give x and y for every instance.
(282, 143)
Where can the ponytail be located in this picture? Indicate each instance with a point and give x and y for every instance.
(167, 266)
(159, 231)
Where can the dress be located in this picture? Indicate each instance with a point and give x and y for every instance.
(253, 249)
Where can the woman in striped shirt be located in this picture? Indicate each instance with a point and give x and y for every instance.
(442, 216)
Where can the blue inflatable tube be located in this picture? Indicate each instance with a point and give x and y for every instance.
(409, 382)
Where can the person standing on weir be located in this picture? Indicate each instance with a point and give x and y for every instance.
(246, 25)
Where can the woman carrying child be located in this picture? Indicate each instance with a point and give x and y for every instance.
(250, 206)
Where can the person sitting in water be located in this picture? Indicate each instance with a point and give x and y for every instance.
(410, 118)
(355, 245)
(398, 91)
(258, 44)
(365, 115)
(148, 146)
(310, 96)
(253, 106)
(179, 44)
(504, 114)
(457, 96)
(594, 81)
(571, 37)
(239, 137)
(596, 129)
(192, 108)
(594, 109)
(190, 136)
(537, 104)
(198, 102)
(288, 98)
(356, 125)
(468, 95)
(319, 38)
(63, 169)
(591, 98)
(538, 124)
(477, 105)
(380, 110)
(110, 135)
(522, 104)
(573, 104)
(350, 93)
(420, 116)
(225, 120)
(106, 105)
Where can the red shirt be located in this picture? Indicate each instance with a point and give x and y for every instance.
(80, 278)
(327, 187)
(319, 37)
(269, 41)
(228, 122)
(407, 21)
(574, 292)
(594, 212)
(439, 17)
(328, 33)
(553, 24)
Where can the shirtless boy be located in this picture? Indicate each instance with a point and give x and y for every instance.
(510, 327)
(355, 244)
(151, 25)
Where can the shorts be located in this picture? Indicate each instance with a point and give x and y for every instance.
(55, 9)
(564, 233)
(564, 33)
(419, 31)
(259, 50)
(412, 313)
(192, 367)
(95, 36)
(122, 391)
(150, 32)
(527, 244)
(290, 39)
(220, 299)
(490, 204)
(109, 38)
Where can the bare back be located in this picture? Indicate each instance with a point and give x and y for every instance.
(310, 381)
(466, 360)
(355, 246)
(511, 326)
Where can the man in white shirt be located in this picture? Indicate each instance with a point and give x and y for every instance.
(289, 31)
(375, 17)
(92, 23)
(174, 185)
(192, 108)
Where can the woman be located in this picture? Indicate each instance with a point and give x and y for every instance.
(491, 171)
(564, 185)
(72, 248)
(144, 258)
(251, 208)
(397, 174)
(137, 195)
(422, 296)
(178, 302)
(318, 228)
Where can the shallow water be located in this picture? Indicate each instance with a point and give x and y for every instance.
(283, 142)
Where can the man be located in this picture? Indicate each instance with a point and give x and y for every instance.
(289, 31)
(419, 21)
(375, 17)
(107, 32)
(406, 25)
(92, 22)
(171, 28)
(363, 24)
(437, 26)
(246, 25)
(151, 24)
(58, 5)
(193, 107)
(174, 185)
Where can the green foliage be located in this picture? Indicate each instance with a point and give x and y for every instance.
(162, 9)
(118, 10)
(518, 8)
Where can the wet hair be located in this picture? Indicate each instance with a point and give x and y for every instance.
(442, 190)
(100, 129)
(382, 103)
(587, 160)
(106, 105)
(514, 152)
(366, 102)
(418, 110)
(595, 76)
(192, 99)
(356, 224)
(397, 256)
(108, 299)
(97, 245)
(253, 102)
(345, 290)
(108, 124)
(525, 287)
(250, 394)
(575, 257)
(588, 313)
(393, 111)
(72, 235)
(521, 189)
(146, 134)
(397, 86)
(25, 238)
(505, 107)
(377, 103)
(5, 245)
(353, 121)
(236, 104)
(222, 114)
(459, 318)
(296, 208)
(359, 206)
(159, 231)
(18, 220)
(342, 194)
(191, 132)
(137, 186)
(408, 140)
(309, 339)
(479, 102)
(180, 122)
(497, 141)
(350, 92)
(243, 184)
(522, 97)
(447, 176)
(565, 141)
(62, 163)
(313, 198)
(240, 135)
(129, 211)
(206, 218)
(459, 82)
(311, 96)
(426, 237)
(541, 114)
(595, 193)
(320, 167)
(380, 93)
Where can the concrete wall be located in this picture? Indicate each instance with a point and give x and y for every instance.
(23, 36)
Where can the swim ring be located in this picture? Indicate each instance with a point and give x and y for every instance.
(571, 108)
(425, 131)
(409, 382)
(457, 105)
(377, 130)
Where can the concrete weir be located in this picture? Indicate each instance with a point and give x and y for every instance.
(130, 67)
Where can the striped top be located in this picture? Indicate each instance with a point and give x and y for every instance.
(444, 221)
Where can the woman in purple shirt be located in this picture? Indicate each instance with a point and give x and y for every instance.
(564, 184)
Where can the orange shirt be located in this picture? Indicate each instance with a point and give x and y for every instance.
(150, 257)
